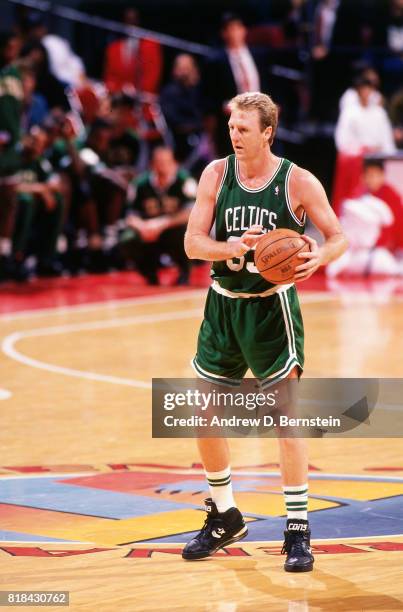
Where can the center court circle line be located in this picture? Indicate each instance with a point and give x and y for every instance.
(9, 342)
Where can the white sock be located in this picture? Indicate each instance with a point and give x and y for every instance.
(221, 489)
(296, 501)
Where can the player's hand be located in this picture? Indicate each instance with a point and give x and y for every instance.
(247, 241)
(312, 260)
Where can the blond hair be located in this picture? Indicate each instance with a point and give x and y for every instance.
(267, 109)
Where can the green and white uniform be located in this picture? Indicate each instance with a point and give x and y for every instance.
(11, 98)
(249, 322)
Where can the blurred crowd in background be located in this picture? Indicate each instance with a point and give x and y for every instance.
(99, 171)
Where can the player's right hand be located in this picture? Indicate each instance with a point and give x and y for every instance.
(247, 241)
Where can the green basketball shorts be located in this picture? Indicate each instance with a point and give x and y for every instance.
(264, 334)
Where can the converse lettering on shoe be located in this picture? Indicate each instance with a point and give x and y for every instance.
(297, 546)
(220, 529)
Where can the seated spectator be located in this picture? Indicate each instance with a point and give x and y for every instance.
(351, 97)
(396, 115)
(361, 130)
(362, 220)
(64, 64)
(373, 223)
(11, 98)
(35, 107)
(133, 62)
(125, 146)
(47, 84)
(105, 189)
(375, 184)
(181, 103)
(365, 127)
(66, 139)
(160, 207)
(40, 212)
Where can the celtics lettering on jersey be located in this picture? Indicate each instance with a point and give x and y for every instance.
(238, 208)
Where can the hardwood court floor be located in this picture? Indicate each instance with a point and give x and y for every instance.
(79, 503)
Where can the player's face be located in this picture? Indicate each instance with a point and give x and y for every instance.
(247, 137)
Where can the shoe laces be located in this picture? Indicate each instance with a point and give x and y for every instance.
(295, 542)
(208, 525)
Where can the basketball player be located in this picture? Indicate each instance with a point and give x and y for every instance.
(248, 193)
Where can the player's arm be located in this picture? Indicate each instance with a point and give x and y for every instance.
(198, 243)
(307, 193)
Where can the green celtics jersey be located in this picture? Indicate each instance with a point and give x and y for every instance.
(238, 208)
(11, 96)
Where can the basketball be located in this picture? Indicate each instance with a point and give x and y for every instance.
(276, 255)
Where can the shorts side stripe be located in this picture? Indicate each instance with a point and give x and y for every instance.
(292, 359)
(288, 324)
(274, 378)
(287, 304)
(215, 378)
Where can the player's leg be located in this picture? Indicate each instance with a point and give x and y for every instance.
(215, 456)
(224, 523)
(294, 474)
(279, 354)
(219, 361)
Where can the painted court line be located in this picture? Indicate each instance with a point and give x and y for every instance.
(307, 298)
(241, 544)
(104, 305)
(9, 342)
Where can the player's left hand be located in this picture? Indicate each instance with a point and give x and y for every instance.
(312, 263)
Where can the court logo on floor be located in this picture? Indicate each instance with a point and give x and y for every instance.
(116, 505)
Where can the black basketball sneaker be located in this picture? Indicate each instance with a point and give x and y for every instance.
(219, 530)
(297, 546)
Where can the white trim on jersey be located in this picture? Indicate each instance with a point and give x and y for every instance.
(248, 189)
(222, 180)
(301, 222)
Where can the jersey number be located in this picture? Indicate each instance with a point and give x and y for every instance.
(236, 264)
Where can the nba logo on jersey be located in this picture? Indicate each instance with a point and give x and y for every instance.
(276, 190)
